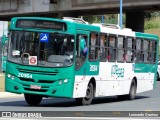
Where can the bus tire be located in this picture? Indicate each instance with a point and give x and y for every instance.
(32, 99)
(89, 96)
(157, 76)
(132, 92)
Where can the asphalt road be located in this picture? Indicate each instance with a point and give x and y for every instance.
(147, 101)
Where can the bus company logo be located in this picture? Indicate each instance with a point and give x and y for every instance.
(117, 71)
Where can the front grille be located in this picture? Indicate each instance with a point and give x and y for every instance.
(45, 81)
(26, 79)
(35, 90)
(38, 71)
(40, 81)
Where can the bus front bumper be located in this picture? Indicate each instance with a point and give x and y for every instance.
(53, 90)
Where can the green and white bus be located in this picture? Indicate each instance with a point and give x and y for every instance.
(59, 58)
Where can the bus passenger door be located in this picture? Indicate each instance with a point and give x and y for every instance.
(81, 66)
(81, 50)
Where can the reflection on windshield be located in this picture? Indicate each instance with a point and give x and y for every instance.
(47, 49)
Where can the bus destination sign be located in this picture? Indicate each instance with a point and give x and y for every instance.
(41, 24)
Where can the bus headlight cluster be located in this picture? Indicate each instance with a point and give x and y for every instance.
(11, 76)
(60, 82)
(63, 81)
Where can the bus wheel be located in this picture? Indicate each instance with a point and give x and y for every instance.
(157, 76)
(88, 98)
(132, 92)
(32, 99)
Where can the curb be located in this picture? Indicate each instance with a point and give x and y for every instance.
(9, 95)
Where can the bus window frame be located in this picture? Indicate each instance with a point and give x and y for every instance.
(96, 47)
(148, 50)
(151, 51)
(105, 46)
(141, 50)
(114, 48)
(122, 48)
(130, 49)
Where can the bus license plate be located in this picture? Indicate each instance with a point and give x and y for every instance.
(35, 87)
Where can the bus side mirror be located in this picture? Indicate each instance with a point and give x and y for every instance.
(4, 38)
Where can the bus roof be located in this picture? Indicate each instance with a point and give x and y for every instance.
(115, 30)
(94, 27)
(125, 32)
(37, 18)
(78, 26)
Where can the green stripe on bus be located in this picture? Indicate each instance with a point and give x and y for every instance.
(146, 36)
(144, 68)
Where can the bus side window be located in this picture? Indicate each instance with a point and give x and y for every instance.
(120, 51)
(112, 49)
(130, 50)
(138, 55)
(103, 47)
(146, 51)
(93, 47)
(153, 45)
(81, 50)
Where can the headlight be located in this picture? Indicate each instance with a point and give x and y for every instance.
(11, 76)
(60, 82)
(65, 80)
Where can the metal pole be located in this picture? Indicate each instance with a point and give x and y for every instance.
(121, 6)
(102, 19)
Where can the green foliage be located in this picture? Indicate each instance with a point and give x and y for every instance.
(109, 19)
(150, 15)
(92, 19)
(152, 19)
(152, 23)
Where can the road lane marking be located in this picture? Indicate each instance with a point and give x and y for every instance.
(148, 110)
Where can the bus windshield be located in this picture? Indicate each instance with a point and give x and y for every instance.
(49, 49)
